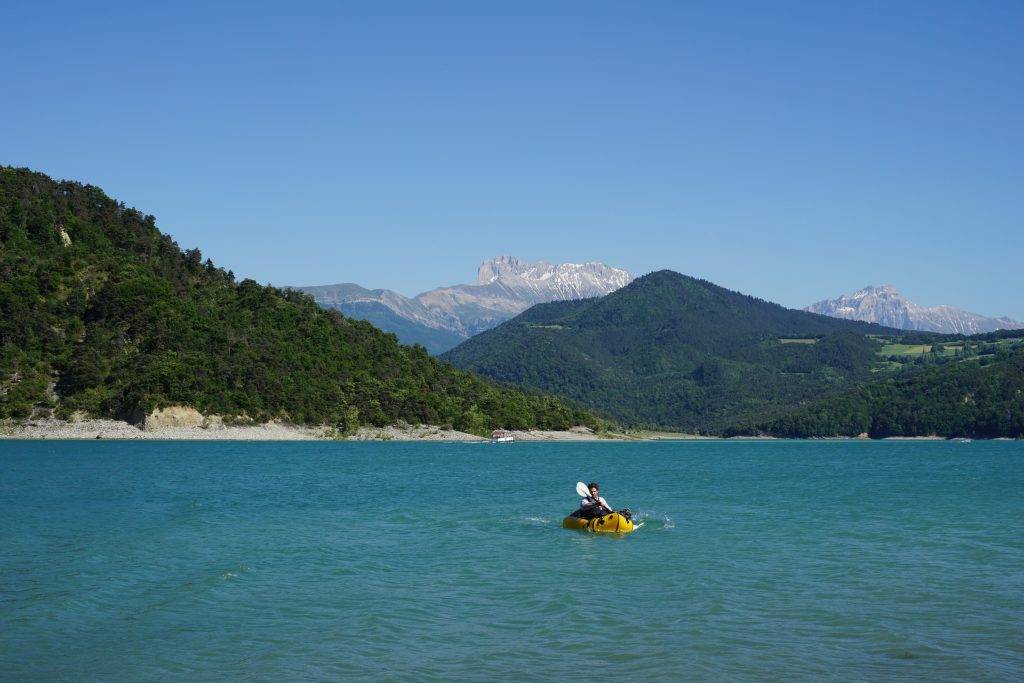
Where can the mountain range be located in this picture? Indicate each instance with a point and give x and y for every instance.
(442, 318)
(886, 306)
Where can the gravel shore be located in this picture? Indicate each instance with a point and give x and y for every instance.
(115, 429)
(271, 431)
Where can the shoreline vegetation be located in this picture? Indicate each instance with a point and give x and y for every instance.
(216, 430)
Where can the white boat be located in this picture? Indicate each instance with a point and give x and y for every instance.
(501, 436)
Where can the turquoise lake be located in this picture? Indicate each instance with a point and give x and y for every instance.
(431, 561)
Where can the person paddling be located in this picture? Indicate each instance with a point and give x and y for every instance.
(595, 514)
(594, 505)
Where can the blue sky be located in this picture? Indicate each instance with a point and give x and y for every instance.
(789, 150)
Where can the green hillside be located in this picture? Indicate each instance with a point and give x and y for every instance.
(975, 396)
(673, 351)
(101, 312)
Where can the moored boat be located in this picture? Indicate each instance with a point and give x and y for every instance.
(501, 436)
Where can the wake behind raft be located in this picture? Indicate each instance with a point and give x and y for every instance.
(620, 522)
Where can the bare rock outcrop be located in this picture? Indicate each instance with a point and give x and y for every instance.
(173, 416)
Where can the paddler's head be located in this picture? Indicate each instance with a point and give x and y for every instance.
(594, 489)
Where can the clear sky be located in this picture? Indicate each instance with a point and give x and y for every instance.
(794, 151)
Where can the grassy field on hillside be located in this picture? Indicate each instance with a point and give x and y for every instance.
(893, 349)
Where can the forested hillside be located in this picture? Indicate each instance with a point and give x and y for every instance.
(101, 312)
(673, 351)
(980, 397)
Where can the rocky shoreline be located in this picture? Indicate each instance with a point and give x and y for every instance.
(216, 430)
(172, 428)
(116, 429)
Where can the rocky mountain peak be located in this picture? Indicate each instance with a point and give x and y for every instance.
(543, 281)
(495, 268)
(879, 289)
(886, 306)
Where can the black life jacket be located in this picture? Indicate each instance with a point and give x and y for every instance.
(589, 509)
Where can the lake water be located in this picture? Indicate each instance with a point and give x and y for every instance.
(429, 561)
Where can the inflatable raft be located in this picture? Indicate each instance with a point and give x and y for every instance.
(612, 523)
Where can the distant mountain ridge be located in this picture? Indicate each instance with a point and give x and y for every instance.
(441, 318)
(886, 306)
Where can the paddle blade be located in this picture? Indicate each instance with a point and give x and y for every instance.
(582, 489)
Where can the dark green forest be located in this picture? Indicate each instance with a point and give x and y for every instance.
(101, 312)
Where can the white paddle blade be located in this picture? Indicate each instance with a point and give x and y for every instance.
(582, 489)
